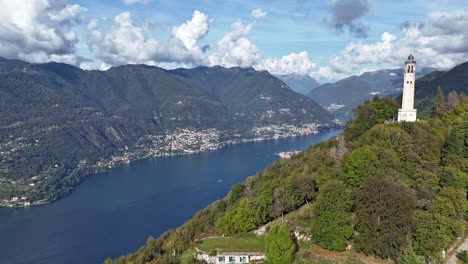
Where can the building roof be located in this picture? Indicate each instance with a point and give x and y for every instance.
(410, 59)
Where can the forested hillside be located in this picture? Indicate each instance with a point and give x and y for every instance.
(455, 79)
(59, 123)
(391, 191)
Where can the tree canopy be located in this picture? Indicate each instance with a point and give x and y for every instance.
(279, 247)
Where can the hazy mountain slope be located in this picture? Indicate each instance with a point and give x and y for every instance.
(264, 94)
(299, 83)
(343, 96)
(426, 87)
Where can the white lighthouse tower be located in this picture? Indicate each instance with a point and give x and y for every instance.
(407, 113)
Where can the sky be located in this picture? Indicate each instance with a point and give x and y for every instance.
(326, 39)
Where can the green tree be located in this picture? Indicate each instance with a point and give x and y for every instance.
(279, 247)
(440, 106)
(384, 217)
(303, 188)
(373, 112)
(455, 149)
(236, 193)
(239, 219)
(358, 165)
(410, 258)
(432, 234)
(331, 226)
(463, 256)
(454, 177)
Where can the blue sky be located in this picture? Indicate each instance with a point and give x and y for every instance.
(327, 39)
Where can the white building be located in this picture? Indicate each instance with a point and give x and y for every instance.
(231, 257)
(407, 113)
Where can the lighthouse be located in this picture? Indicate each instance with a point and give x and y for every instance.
(407, 113)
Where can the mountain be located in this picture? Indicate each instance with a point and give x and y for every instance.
(343, 96)
(379, 188)
(299, 83)
(60, 123)
(425, 91)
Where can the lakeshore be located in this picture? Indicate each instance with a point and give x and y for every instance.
(114, 212)
(180, 142)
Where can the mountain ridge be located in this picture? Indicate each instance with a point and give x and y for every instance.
(344, 95)
(299, 83)
(62, 123)
(455, 79)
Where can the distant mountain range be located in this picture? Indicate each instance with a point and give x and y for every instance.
(299, 83)
(60, 123)
(343, 96)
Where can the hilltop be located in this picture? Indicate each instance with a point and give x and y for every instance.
(381, 189)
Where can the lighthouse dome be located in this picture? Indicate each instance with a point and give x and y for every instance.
(410, 59)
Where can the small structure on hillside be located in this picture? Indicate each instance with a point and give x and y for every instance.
(230, 250)
(232, 257)
(407, 113)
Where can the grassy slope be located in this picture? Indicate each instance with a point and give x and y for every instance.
(232, 244)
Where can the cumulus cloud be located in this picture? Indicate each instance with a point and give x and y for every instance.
(235, 49)
(258, 13)
(131, 2)
(39, 30)
(344, 16)
(125, 42)
(298, 63)
(190, 32)
(441, 42)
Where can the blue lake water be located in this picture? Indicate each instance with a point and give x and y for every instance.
(113, 213)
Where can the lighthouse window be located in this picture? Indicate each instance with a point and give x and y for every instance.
(411, 68)
(407, 82)
(408, 69)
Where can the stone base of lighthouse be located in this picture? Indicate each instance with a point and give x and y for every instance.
(407, 115)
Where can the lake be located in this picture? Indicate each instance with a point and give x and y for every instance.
(113, 213)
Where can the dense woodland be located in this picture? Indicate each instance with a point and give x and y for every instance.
(394, 191)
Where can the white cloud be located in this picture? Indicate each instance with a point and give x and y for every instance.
(94, 65)
(131, 2)
(440, 42)
(39, 30)
(127, 42)
(258, 13)
(235, 49)
(68, 14)
(190, 32)
(298, 63)
(123, 43)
